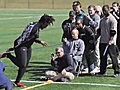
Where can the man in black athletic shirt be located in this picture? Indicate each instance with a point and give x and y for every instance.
(22, 45)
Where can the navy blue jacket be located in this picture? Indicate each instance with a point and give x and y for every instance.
(3, 78)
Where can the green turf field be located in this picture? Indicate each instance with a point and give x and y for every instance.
(12, 23)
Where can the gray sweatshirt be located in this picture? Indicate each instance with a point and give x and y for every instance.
(76, 47)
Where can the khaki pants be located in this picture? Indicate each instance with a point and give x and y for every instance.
(55, 75)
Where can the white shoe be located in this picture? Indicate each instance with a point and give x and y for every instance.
(118, 61)
(96, 70)
(109, 66)
(84, 71)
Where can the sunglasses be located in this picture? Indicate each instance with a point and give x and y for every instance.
(97, 11)
(57, 52)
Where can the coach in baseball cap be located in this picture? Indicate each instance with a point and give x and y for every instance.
(72, 13)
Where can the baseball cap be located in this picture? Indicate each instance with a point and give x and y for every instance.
(72, 13)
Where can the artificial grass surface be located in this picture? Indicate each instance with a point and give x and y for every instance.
(11, 27)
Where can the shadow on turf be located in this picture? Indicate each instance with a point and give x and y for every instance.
(37, 69)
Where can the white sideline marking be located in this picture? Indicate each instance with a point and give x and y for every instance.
(70, 83)
(16, 18)
(33, 14)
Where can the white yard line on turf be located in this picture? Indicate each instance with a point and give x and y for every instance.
(71, 83)
(15, 18)
(32, 14)
(28, 17)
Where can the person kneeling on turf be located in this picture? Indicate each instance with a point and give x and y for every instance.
(64, 66)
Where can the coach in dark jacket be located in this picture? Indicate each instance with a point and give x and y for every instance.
(87, 35)
(64, 66)
(67, 27)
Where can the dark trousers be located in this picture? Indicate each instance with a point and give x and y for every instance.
(118, 35)
(111, 50)
(23, 55)
(87, 55)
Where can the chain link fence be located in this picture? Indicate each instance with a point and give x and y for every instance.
(49, 4)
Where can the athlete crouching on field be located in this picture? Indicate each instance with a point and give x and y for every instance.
(64, 67)
(22, 45)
